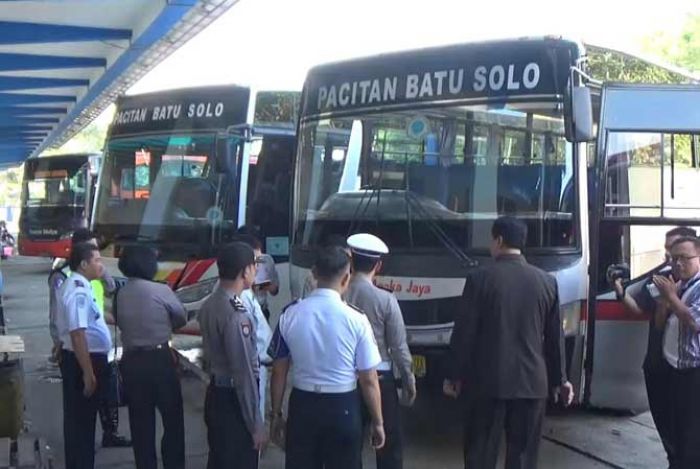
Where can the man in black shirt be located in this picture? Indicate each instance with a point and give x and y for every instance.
(657, 372)
(508, 354)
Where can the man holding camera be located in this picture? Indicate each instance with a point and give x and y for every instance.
(638, 299)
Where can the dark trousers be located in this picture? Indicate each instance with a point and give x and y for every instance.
(80, 412)
(488, 418)
(686, 389)
(324, 431)
(230, 441)
(391, 455)
(109, 404)
(659, 383)
(150, 383)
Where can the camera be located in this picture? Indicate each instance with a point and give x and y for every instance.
(617, 271)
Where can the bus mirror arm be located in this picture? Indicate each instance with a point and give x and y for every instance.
(579, 101)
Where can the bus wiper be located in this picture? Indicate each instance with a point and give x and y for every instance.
(356, 216)
(439, 233)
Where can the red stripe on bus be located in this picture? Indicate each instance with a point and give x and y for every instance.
(194, 271)
(612, 310)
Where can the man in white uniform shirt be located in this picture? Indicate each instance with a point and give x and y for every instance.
(86, 344)
(331, 345)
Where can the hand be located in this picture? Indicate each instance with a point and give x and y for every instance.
(410, 392)
(619, 289)
(564, 394)
(89, 384)
(452, 388)
(278, 430)
(260, 439)
(666, 286)
(378, 436)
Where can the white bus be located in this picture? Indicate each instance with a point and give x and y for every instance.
(426, 149)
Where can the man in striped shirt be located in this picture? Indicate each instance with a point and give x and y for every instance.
(681, 345)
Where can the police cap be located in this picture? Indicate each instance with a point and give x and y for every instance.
(367, 245)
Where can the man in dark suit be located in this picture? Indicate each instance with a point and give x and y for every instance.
(507, 353)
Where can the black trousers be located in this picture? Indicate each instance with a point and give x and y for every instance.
(686, 389)
(109, 405)
(324, 431)
(230, 441)
(659, 383)
(80, 412)
(488, 418)
(150, 383)
(391, 455)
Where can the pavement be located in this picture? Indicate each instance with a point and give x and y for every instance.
(578, 439)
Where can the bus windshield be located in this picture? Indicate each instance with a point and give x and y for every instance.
(163, 188)
(409, 175)
(51, 184)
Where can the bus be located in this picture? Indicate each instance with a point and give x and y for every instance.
(57, 195)
(427, 148)
(184, 168)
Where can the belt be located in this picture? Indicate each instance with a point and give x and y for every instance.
(147, 348)
(384, 366)
(327, 388)
(222, 382)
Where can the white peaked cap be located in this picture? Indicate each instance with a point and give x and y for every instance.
(365, 244)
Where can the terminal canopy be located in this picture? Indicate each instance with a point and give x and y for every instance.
(63, 62)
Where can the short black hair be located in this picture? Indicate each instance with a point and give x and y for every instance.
(248, 239)
(81, 252)
(688, 239)
(363, 264)
(512, 230)
(233, 258)
(684, 231)
(139, 262)
(82, 235)
(331, 263)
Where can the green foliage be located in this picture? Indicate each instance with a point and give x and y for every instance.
(10, 187)
(681, 48)
(607, 65)
(277, 107)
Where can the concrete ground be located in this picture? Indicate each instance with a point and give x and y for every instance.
(574, 440)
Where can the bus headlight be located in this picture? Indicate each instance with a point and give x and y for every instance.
(571, 318)
(196, 292)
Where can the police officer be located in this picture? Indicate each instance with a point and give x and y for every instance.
(86, 343)
(330, 344)
(146, 313)
(382, 310)
(235, 429)
(263, 333)
(109, 405)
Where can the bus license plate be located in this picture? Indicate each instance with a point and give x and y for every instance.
(418, 366)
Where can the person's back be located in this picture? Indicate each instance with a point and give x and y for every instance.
(514, 298)
(325, 332)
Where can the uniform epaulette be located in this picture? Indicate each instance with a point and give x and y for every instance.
(237, 304)
(381, 287)
(290, 305)
(355, 308)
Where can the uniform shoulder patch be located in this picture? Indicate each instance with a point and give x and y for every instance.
(246, 329)
(290, 305)
(237, 304)
(79, 283)
(355, 308)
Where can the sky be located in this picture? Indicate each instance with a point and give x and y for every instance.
(270, 44)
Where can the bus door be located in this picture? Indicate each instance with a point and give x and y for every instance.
(648, 181)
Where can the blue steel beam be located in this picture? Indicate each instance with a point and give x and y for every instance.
(28, 120)
(17, 98)
(46, 62)
(20, 128)
(31, 111)
(22, 134)
(26, 83)
(12, 32)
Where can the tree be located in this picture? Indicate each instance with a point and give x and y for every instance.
(681, 48)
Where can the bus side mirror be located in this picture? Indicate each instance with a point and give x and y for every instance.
(226, 156)
(581, 126)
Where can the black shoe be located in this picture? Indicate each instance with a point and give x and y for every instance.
(114, 440)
